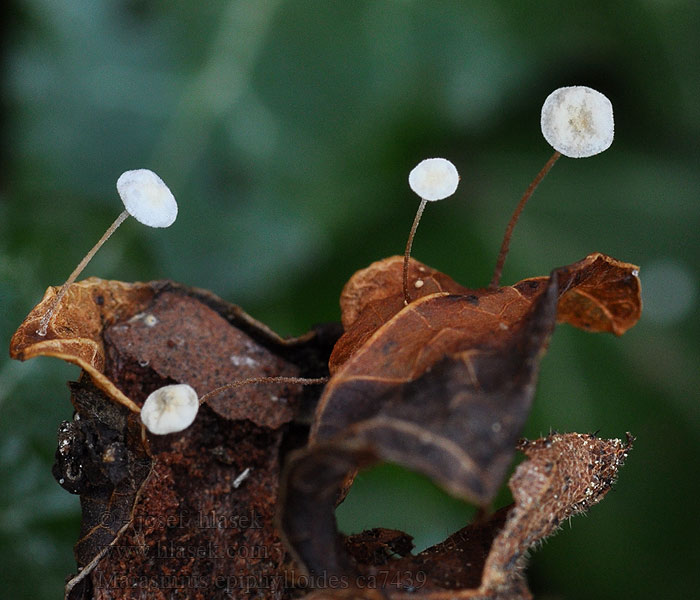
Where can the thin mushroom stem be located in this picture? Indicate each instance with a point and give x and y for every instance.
(407, 253)
(44, 323)
(254, 380)
(495, 280)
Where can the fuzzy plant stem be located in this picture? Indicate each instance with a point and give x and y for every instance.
(44, 323)
(254, 380)
(496, 279)
(407, 253)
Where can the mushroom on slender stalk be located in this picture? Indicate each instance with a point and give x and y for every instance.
(432, 179)
(577, 122)
(173, 408)
(147, 199)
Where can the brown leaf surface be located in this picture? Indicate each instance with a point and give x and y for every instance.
(75, 332)
(176, 330)
(380, 280)
(476, 350)
(456, 421)
(181, 339)
(563, 476)
(598, 293)
(186, 515)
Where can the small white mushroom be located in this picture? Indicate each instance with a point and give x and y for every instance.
(147, 199)
(432, 179)
(577, 121)
(170, 409)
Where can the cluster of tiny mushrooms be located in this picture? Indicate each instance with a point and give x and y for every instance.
(576, 121)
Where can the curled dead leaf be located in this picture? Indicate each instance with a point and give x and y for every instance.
(75, 332)
(454, 416)
(565, 474)
(597, 294)
(456, 368)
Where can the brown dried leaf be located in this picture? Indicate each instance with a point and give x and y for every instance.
(203, 519)
(457, 370)
(75, 331)
(179, 331)
(459, 419)
(598, 293)
(380, 280)
(563, 476)
(181, 339)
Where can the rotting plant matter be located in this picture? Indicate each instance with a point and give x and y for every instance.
(233, 495)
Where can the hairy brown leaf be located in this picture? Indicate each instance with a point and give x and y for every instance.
(563, 476)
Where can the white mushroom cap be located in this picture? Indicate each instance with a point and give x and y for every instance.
(434, 179)
(577, 121)
(170, 409)
(147, 198)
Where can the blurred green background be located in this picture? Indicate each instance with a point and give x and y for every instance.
(286, 130)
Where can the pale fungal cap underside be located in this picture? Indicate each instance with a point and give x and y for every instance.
(147, 198)
(434, 179)
(170, 409)
(577, 121)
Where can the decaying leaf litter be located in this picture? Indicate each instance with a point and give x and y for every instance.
(433, 376)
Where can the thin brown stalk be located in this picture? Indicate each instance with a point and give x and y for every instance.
(407, 253)
(44, 323)
(254, 380)
(495, 280)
